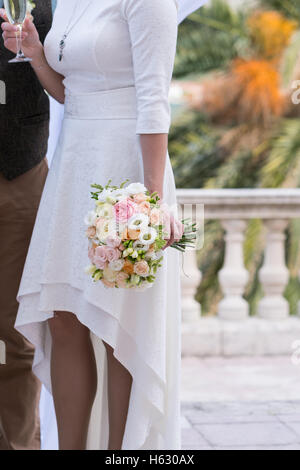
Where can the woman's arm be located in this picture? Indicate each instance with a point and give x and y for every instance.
(153, 35)
(154, 149)
(33, 48)
(49, 79)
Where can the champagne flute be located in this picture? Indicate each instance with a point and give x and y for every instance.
(16, 12)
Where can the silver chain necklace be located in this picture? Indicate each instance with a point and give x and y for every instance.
(70, 26)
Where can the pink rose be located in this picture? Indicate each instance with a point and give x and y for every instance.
(100, 258)
(91, 254)
(124, 209)
(100, 253)
(112, 254)
(141, 197)
(155, 216)
(121, 247)
(141, 268)
(112, 241)
(100, 264)
(166, 219)
(121, 279)
(144, 207)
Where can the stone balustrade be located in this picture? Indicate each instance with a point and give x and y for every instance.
(272, 330)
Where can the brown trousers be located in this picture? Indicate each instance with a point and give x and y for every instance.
(19, 387)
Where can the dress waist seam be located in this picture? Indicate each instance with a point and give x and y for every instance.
(118, 103)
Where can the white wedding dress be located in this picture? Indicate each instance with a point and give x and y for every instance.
(117, 65)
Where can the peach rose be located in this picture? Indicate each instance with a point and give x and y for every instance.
(124, 209)
(133, 234)
(144, 207)
(140, 197)
(128, 267)
(151, 248)
(112, 254)
(121, 279)
(141, 268)
(108, 283)
(91, 232)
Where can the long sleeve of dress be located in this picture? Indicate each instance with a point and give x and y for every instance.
(153, 35)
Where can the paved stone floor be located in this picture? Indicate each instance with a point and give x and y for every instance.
(240, 403)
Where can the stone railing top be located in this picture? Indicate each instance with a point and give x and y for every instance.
(244, 203)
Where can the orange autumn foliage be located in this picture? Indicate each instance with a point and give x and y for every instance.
(259, 85)
(249, 93)
(271, 33)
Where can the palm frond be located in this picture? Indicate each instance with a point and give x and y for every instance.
(209, 38)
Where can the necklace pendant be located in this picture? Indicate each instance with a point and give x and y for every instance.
(62, 45)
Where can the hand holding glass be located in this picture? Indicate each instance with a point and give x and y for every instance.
(16, 12)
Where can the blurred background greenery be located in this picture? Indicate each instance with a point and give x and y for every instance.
(234, 123)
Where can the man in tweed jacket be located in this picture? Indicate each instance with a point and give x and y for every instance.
(24, 129)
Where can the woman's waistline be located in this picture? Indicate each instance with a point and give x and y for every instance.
(118, 103)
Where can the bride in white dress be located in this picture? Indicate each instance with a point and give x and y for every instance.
(110, 358)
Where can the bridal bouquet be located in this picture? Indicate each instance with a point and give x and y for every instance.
(126, 233)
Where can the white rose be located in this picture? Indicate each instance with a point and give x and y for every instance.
(105, 210)
(109, 274)
(116, 265)
(136, 188)
(90, 218)
(106, 229)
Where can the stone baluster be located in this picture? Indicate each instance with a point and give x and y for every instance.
(190, 280)
(274, 274)
(233, 276)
